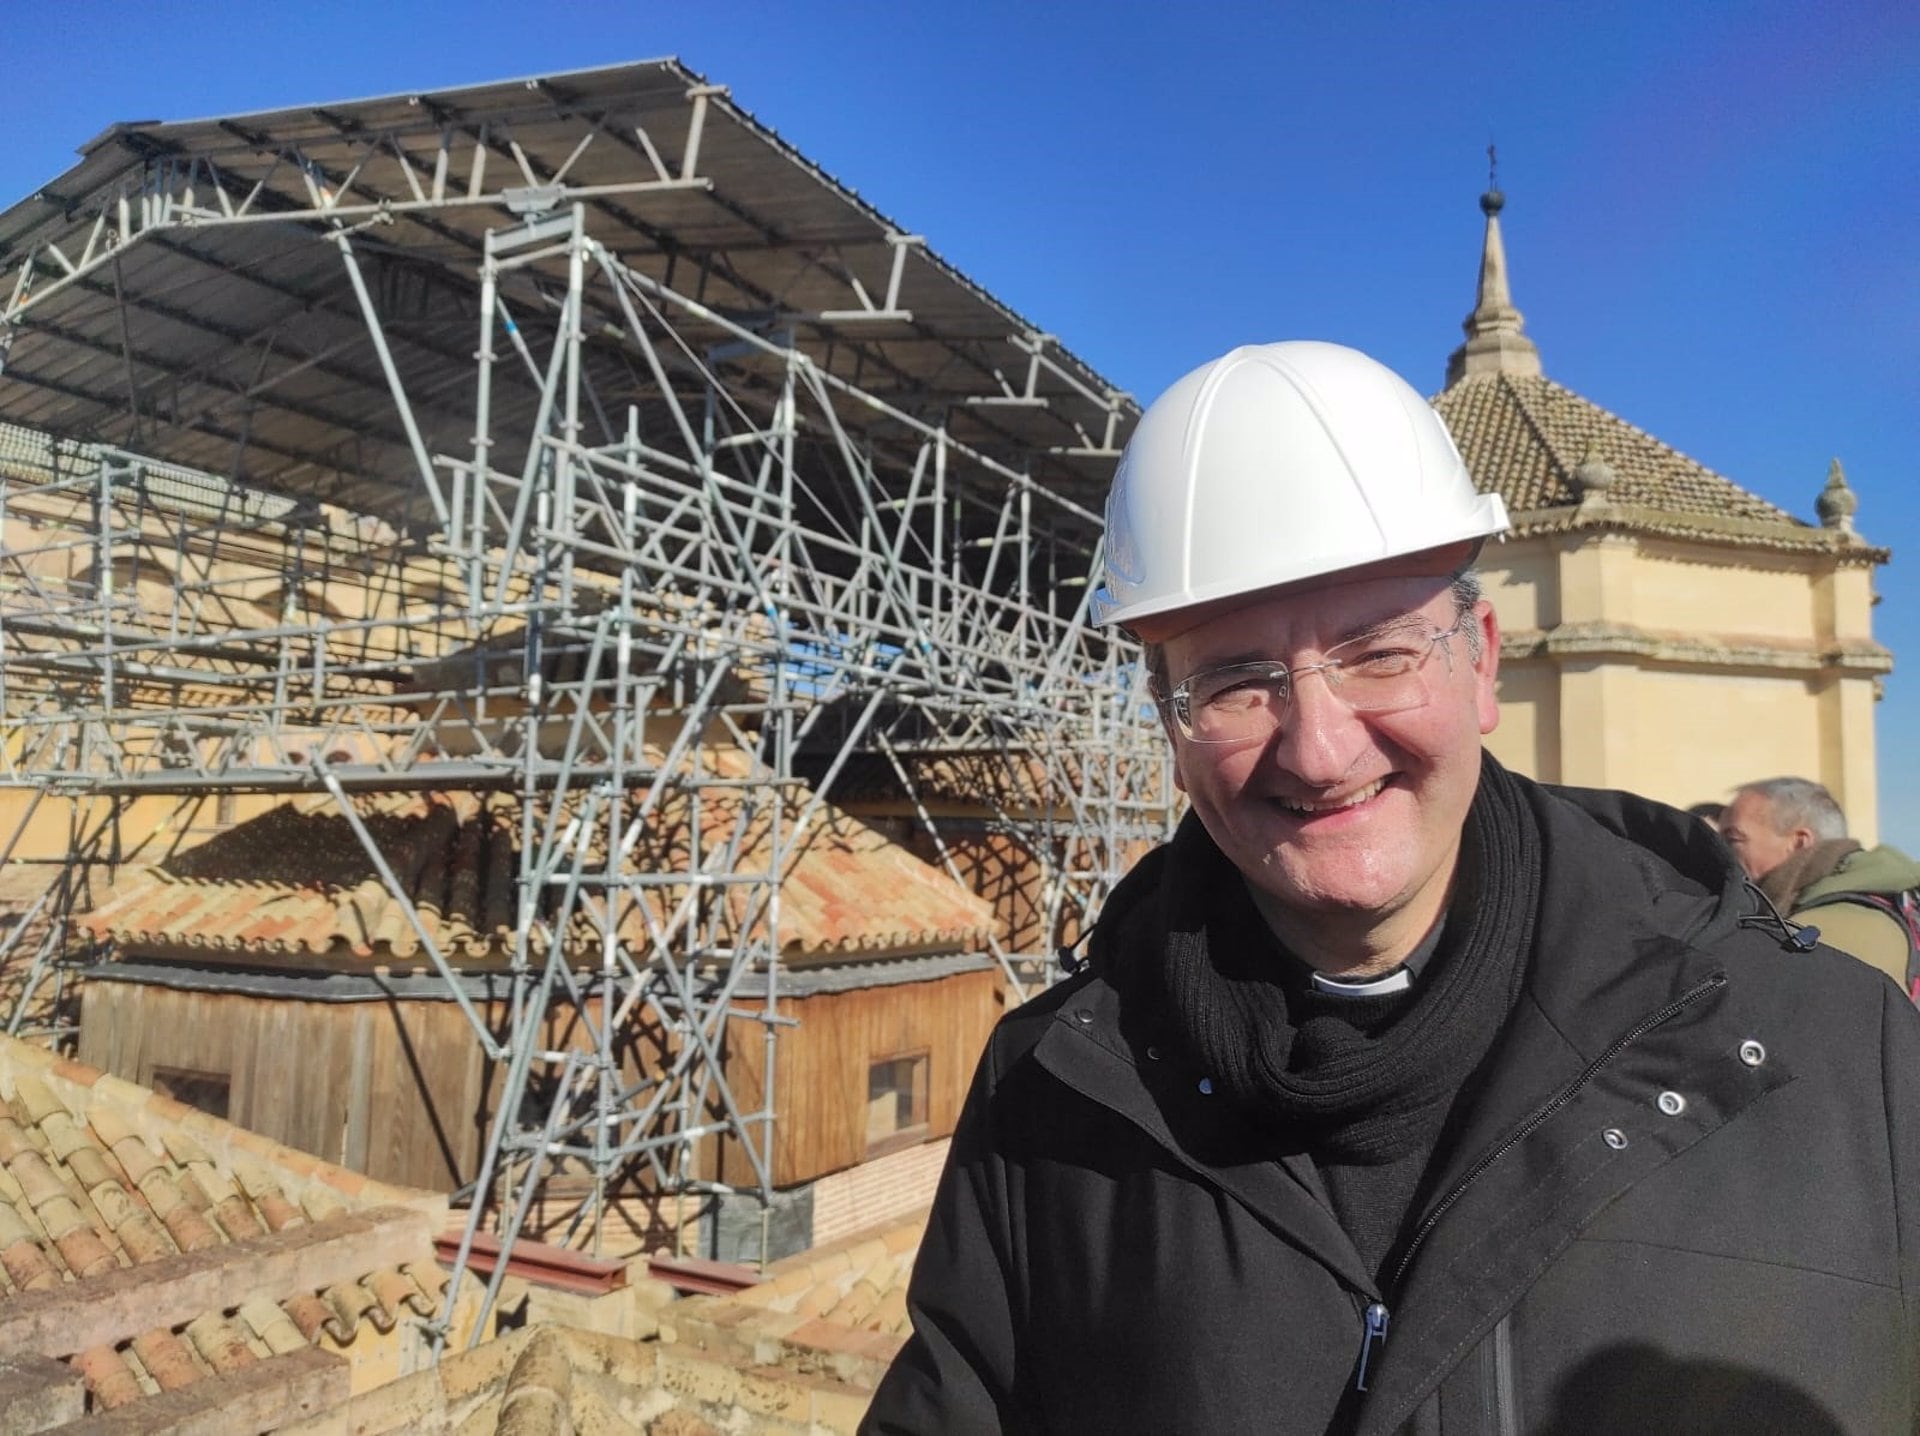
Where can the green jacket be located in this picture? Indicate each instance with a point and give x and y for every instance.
(1871, 934)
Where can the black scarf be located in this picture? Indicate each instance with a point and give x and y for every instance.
(1356, 1083)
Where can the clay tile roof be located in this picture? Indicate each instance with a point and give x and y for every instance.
(294, 886)
(979, 779)
(989, 780)
(843, 1303)
(1523, 436)
(97, 1175)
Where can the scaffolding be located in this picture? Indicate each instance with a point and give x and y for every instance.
(572, 439)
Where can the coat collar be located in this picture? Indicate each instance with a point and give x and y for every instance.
(1084, 1047)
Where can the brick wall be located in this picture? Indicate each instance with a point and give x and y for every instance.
(876, 1193)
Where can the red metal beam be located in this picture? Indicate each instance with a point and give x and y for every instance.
(567, 1270)
(537, 1262)
(695, 1274)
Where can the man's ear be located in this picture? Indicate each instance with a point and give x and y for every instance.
(1802, 838)
(1487, 667)
(1173, 743)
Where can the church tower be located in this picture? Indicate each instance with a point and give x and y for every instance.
(1663, 628)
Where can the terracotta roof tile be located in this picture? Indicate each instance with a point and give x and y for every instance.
(166, 1360)
(22, 884)
(990, 780)
(108, 1378)
(294, 885)
(271, 1325)
(852, 1293)
(221, 1344)
(1522, 436)
(94, 1177)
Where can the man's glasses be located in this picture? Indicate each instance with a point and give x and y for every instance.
(1379, 672)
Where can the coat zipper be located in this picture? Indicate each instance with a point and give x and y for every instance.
(1506, 1403)
(1373, 1336)
(1540, 1118)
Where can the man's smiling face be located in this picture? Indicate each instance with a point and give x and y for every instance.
(1342, 814)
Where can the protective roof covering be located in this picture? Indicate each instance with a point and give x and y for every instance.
(182, 291)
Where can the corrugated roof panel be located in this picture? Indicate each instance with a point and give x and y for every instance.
(770, 232)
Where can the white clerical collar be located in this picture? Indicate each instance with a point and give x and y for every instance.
(1399, 980)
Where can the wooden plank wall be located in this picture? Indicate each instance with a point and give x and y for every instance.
(401, 1091)
(820, 1066)
(390, 1089)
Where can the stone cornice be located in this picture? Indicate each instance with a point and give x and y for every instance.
(1623, 641)
(1730, 529)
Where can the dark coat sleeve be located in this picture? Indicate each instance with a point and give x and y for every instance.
(956, 1372)
(1900, 1059)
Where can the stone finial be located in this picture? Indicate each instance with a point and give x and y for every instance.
(1496, 337)
(1837, 503)
(1592, 477)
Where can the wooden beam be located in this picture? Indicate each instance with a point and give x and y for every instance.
(108, 1309)
(262, 1397)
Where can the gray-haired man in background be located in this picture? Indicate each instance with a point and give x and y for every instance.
(1791, 837)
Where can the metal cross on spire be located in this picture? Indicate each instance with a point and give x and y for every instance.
(1492, 201)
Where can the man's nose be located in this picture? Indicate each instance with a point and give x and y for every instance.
(1320, 737)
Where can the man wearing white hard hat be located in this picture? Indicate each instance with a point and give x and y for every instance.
(1401, 1093)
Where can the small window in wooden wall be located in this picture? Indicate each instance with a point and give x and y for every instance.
(896, 1102)
(208, 1091)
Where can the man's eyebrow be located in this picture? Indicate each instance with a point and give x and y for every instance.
(1371, 628)
(1379, 626)
(1235, 660)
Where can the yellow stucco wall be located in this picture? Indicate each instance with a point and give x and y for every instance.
(1522, 579)
(1683, 737)
(1683, 670)
(149, 828)
(1528, 738)
(1758, 595)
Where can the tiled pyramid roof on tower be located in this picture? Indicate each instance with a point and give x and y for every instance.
(1524, 436)
(1562, 462)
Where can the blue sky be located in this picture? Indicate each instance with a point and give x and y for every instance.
(1713, 211)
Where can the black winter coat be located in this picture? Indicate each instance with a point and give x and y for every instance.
(1685, 1199)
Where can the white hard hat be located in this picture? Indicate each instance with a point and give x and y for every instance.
(1277, 463)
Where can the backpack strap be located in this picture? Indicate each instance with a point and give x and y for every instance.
(1903, 908)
